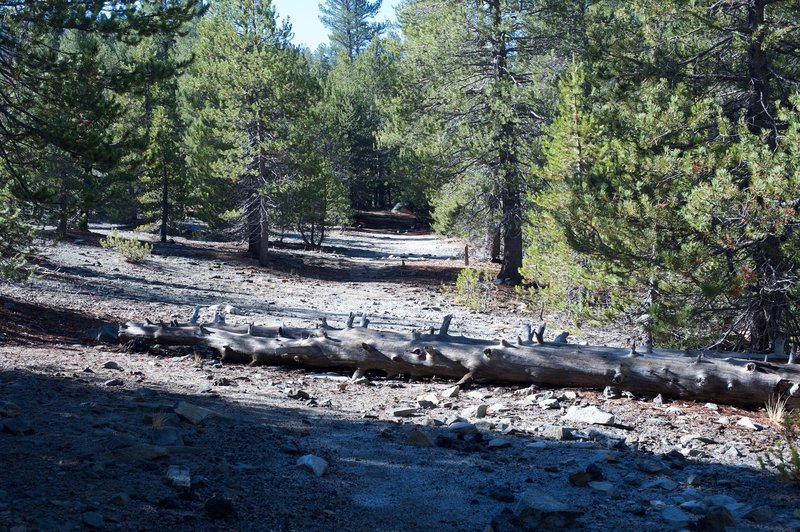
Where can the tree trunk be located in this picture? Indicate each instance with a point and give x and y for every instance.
(693, 376)
(263, 240)
(164, 205)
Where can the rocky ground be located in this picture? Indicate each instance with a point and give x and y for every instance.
(168, 438)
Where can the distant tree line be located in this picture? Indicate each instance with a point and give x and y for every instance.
(620, 159)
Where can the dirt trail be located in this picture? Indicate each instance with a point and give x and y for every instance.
(93, 438)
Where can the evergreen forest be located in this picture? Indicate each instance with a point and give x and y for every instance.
(633, 160)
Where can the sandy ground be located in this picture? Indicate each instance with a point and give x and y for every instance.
(91, 436)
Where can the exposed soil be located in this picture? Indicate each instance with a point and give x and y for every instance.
(83, 445)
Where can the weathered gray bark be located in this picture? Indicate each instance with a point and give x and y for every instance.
(719, 377)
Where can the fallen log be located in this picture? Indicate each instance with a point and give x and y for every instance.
(728, 378)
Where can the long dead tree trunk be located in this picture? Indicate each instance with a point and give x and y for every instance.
(730, 378)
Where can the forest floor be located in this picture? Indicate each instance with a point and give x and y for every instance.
(167, 438)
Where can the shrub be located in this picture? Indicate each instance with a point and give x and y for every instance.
(474, 287)
(784, 456)
(132, 250)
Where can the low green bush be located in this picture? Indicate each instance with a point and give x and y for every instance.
(132, 250)
(784, 456)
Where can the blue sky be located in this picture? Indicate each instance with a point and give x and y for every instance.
(304, 16)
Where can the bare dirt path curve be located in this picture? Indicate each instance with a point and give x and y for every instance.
(92, 437)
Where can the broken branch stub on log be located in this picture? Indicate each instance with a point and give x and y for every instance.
(718, 377)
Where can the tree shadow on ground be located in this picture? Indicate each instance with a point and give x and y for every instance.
(86, 437)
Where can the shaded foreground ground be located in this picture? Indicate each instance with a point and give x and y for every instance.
(88, 440)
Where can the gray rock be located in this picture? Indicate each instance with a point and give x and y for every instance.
(451, 392)
(689, 438)
(114, 382)
(112, 365)
(651, 466)
(462, 427)
(477, 412)
(498, 443)
(539, 510)
(761, 514)
(107, 334)
(676, 517)
(712, 406)
(695, 507)
(732, 452)
(555, 432)
(716, 518)
(313, 464)
(179, 477)
(192, 413)
(296, 393)
(590, 414)
(93, 520)
(665, 484)
(142, 452)
(748, 423)
(205, 388)
(658, 400)
(548, 404)
(609, 392)
(404, 412)
(166, 436)
(603, 486)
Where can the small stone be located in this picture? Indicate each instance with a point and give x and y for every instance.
(179, 477)
(658, 400)
(93, 520)
(748, 423)
(497, 408)
(548, 404)
(205, 388)
(609, 392)
(569, 395)
(233, 311)
(112, 365)
(462, 427)
(313, 464)
(192, 413)
(590, 414)
(716, 518)
(733, 452)
(498, 443)
(675, 516)
(761, 514)
(694, 507)
(418, 438)
(536, 509)
(604, 487)
(114, 382)
(218, 507)
(451, 393)
(119, 499)
(404, 412)
(431, 398)
(712, 406)
(556, 432)
(595, 472)
(477, 412)
(724, 421)
(650, 466)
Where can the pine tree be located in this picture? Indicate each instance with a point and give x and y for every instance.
(348, 21)
(247, 92)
